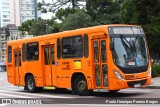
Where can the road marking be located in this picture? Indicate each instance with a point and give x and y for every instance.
(15, 96)
(14, 89)
(11, 87)
(3, 104)
(36, 95)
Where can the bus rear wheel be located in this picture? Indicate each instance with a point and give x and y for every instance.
(113, 91)
(80, 86)
(30, 84)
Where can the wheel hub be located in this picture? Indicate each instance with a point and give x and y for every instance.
(82, 85)
(30, 84)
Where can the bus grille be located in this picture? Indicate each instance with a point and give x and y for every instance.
(133, 70)
(132, 83)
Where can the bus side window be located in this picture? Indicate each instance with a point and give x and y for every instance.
(103, 51)
(32, 51)
(96, 52)
(52, 54)
(72, 47)
(9, 54)
(19, 58)
(46, 55)
(24, 52)
(58, 48)
(86, 52)
(16, 59)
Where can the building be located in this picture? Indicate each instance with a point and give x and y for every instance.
(8, 33)
(3, 41)
(13, 13)
(27, 10)
(17, 11)
(5, 12)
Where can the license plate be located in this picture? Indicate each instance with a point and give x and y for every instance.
(137, 85)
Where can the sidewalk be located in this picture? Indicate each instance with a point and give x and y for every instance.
(155, 83)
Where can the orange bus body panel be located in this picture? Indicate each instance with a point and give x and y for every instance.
(60, 73)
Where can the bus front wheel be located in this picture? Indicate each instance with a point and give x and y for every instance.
(113, 91)
(30, 84)
(80, 86)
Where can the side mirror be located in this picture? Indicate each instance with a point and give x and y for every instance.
(112, 43)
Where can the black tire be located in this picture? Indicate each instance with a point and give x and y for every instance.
(113, 91)
(39, 89)
(81, 87)
(25, 88)
(60, 89)
(30, 84)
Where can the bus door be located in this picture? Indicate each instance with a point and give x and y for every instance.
(49, 64)
(100, 63)
(18, 69)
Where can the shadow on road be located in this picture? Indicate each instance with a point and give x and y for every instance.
(120, 94)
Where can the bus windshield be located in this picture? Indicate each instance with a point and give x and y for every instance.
(130, 51)
(129, 46)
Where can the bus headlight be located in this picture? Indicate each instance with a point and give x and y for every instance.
(150, 72)
(119, 76)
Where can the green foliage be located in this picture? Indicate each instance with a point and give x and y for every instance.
(127, 12)
(104, 11)
(62, 14)
(52, 26)
(56, 5)
(153, 34)
(38, 25)
(39, 5)
(155, 70)
(35, 27)
(75, 21)
(26, 26)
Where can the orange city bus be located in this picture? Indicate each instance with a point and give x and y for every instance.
(108, 57)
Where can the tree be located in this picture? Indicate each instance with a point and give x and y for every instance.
(128, 12)
(147, 14)
(52, 26)
(26, 26)
(36, 27)
(62, 14)
(103, 11)
(75, 21)
(59, 4)
(39, 6)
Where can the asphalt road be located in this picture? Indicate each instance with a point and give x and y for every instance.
(99, 98)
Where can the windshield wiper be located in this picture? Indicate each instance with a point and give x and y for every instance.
(127, 44)
(124, 40)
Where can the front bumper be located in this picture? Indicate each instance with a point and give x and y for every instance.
(116, 84)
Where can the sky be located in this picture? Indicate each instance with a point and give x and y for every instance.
(49, 14)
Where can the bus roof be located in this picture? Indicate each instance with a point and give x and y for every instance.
(75, 32)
